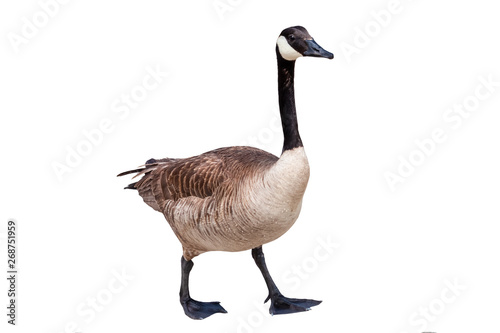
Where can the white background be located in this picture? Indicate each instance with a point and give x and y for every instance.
(357, 115)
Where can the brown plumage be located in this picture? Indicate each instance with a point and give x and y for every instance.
(209, 185)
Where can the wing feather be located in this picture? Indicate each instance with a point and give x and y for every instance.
(199, 176)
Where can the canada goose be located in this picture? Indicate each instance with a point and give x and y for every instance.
(237, 198)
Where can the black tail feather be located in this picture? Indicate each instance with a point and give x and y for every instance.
(129, 172)
(130, 186)
(149, 163)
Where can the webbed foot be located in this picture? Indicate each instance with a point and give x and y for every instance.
(283, 305)
(201, 310)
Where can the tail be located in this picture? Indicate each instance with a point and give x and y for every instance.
(139, 171)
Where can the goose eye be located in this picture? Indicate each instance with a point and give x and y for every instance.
(291, 38)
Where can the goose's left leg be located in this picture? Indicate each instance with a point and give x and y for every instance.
(279, 303)
(192, 308)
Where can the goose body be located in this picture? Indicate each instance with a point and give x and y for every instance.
(236, 198)
(228, 199)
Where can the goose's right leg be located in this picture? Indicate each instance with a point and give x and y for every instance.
(192, 308)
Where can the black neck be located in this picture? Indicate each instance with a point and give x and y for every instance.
(287, 103)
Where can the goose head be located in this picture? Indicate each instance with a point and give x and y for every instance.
(295, 42)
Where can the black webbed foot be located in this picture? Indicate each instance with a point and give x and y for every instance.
(283, 305)
(201, 310)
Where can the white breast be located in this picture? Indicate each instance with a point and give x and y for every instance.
(279, 198)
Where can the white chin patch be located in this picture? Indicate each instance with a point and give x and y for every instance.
(286, 51)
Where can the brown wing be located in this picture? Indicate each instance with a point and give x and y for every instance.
(199, 176)
(174, 179)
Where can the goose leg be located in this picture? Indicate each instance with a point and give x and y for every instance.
(279, 303)
(192, 308)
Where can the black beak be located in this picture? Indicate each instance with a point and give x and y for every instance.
(314, 50)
